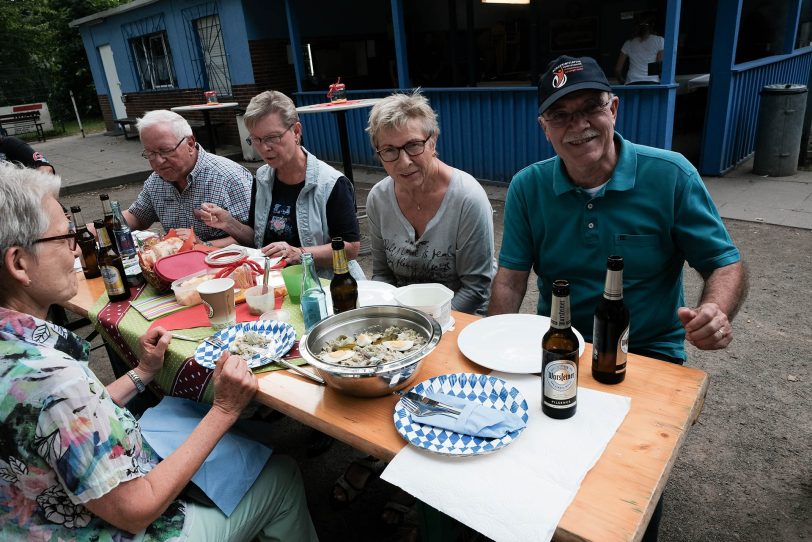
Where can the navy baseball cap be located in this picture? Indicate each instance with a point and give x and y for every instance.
(565, 75)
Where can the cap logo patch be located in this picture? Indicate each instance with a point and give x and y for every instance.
(560, 78)
(561, 71)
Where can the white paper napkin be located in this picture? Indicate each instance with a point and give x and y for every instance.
(519, 492)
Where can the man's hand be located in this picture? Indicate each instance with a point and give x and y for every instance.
(706, 326)
(153, 345)
(214, 216)
(234, 384)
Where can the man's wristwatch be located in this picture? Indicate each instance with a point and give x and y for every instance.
(139, 384)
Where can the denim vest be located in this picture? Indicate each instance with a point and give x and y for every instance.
(311, 208)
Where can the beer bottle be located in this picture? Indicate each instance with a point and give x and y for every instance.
(559, 358)
(126, 247)
(313, 301)
(343, 288)
(112, 270)
(610, 331)
(109, 219)
(87, 244)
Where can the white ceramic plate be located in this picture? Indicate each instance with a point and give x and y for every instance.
(508, 342)
(373, 292)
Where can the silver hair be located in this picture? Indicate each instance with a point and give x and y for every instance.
(267, 103)
(22, 192)
(180, 126)
(395, 111)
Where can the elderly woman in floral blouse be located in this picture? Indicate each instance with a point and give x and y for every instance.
(73, 464)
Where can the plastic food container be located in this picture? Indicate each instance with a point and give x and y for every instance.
(432, 298)
(186, 288)
(180, 265)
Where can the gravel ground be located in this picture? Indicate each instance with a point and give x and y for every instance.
(744, 471)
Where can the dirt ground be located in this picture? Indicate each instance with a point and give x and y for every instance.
(744, 471)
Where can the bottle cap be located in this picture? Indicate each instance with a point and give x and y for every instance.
(75, 209)
(614, 263)
(561, 288)
(103, 196)
(338, 243)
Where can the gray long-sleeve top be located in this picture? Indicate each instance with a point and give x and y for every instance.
(456, 249)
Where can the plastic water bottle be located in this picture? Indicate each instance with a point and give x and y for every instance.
(313, 300)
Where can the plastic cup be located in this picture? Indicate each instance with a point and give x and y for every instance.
(293, 282)
(259, 302)
(218, 297)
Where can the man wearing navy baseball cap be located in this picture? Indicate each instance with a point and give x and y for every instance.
(602, 195)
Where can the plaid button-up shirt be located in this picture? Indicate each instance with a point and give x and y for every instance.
(214, 179)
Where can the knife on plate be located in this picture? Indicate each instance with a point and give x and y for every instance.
(429, 402)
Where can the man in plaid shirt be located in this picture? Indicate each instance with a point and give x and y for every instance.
(184, 177)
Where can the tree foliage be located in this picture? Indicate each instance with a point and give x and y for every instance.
(42, 58)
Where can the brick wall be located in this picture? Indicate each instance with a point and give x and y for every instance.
(107, 112)
(271, 71)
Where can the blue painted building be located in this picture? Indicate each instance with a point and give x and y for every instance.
(477, 63)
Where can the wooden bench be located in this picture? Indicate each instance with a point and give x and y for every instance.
(24, 122)
(123, 123)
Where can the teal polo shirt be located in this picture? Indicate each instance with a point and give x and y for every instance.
(654, 211)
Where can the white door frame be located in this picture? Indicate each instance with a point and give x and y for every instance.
(113, 84)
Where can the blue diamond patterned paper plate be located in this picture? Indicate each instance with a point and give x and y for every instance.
(283, 334)
(489, 390)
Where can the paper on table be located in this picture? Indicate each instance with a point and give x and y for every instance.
(519, 492)
(229, 470)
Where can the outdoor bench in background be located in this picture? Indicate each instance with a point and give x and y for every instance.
(24, 122)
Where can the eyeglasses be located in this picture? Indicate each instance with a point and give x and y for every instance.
(412, 148)
(274, 139)
(71, 237)
(150, 155)
(559, 119)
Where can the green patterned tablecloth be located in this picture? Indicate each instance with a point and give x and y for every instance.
(121, 326)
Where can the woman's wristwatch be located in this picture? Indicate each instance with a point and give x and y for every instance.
(139, 384)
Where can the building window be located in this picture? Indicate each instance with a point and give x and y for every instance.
(153, 61)
(213, 53)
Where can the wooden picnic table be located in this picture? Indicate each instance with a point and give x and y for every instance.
(617, 496)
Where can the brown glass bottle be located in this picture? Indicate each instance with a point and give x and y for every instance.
(109, 219)
(87, 244)
(112, 270)
(559, 358)
(610, 331)
(343, 288)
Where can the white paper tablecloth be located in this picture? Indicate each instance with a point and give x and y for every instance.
(519, 492)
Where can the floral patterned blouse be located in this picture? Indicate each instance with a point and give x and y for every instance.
(63, 441)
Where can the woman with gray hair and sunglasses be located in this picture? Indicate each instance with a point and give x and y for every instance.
(73, 461)
(298, 202)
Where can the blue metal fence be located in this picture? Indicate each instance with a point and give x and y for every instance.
(489, 132)
(730, 125)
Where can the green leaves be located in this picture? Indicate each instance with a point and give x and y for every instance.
(42, 58)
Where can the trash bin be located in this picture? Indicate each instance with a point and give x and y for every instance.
(249, 153)
(779, 129)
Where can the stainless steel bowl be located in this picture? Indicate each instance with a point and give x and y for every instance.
(377, 380)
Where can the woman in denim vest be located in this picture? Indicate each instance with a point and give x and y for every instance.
(298, 202)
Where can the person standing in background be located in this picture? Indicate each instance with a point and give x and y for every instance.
(640, 51)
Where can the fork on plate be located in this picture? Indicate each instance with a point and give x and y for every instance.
(418, 409)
